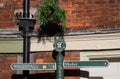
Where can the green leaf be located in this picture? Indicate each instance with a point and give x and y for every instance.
(50, 11)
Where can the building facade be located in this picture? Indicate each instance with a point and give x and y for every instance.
(93, 30)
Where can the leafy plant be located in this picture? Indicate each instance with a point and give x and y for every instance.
(51, 13)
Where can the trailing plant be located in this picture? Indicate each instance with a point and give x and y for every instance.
(51, 14)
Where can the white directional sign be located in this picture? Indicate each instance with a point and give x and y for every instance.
(32, 66)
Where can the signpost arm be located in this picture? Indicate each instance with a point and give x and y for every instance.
(59, 66)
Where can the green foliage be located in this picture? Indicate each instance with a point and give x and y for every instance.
(49, 12)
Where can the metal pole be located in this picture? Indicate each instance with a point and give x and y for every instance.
(59, 46)
(26, 38)
(26, 8)
(59, 66)
(26, 51)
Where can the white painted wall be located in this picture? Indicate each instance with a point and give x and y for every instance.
(81, 42)
(110, 72)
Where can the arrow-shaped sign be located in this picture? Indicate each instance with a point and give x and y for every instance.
(79, 64)
(33, 66)
(52, 66)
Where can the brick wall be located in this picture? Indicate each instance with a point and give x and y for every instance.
(48, 57)
(92, 14)
(7, 19)
(5, 61)
(8, 8)
(81, 14)
(40, 57)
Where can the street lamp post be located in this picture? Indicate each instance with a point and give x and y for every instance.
(26, 50)
(26, 38)
(26, 8)
(26, 25)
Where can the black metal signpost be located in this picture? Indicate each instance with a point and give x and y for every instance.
(26, 25)
(26, 38)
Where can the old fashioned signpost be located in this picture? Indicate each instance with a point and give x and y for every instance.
(59, 45)
(26, 25)
(52, 66)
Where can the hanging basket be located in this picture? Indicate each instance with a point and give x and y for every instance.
(50, 29)
(52, 18)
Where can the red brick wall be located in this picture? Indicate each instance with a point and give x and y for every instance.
(81, 14)
(92, 14)
(5, 61)
(8, 9)
(41, 57)
(48, 57)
